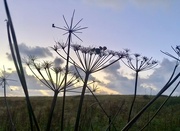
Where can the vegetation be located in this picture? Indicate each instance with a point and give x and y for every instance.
(92, 116)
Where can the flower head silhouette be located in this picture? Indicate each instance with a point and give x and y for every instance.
(52, 77)
(70, 29)
(91, 59)
(87, 59)
(176, 50)
(137, 63)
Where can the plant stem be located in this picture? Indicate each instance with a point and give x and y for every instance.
(135, 94)
(128, 125)
(53, 104)
(18, 64)
(65, 81)
(7, 107)
(161, 106)
(81, 102)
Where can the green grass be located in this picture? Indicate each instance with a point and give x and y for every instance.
(92, 116)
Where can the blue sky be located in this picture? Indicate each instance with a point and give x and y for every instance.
(144, 27)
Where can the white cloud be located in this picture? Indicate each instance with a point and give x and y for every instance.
(148, 86)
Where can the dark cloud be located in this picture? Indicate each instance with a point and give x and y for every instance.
(91, 77)
(15, 88)
(32, 81)
(58, 62)
(37, 51)
(9, 57)
(117, 81)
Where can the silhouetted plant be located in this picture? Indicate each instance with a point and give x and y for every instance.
(52, 77)
(18, 64)
(3, 82)
(176, 50)
(138, 64)
(90, 60)
(111, 120)
(171, 80)
(166, 86)
(161, 106)
(87, 59)
(70, 30)
(92, 91)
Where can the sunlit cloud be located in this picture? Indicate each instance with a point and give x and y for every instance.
(149, 86)
(45, 92)
(105, 90)
(14, 88)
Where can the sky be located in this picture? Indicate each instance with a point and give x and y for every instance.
(143, 26)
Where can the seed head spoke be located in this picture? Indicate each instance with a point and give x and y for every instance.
(66, 23)
(75, 26)
(77, 37)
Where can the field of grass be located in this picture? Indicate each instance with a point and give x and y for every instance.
(92, 118)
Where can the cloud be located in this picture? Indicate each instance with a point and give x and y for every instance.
(160, 76)
(117, 82)
(14, 87)
(58, 62)
(154, 82)
(151, 3)
(120, 4)
(9, 57)
(37, 51)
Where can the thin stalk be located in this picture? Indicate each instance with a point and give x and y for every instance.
(8, 111)
(23, 82)
(53, 104)
(19, 73)
(109, 127)
(160, 107)
(45, 83)
(128, 125)
(135, 94)
(112, 120)
(81, 102)
(50, 78)
(65, 82)
(18, 64)
(93, 94)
